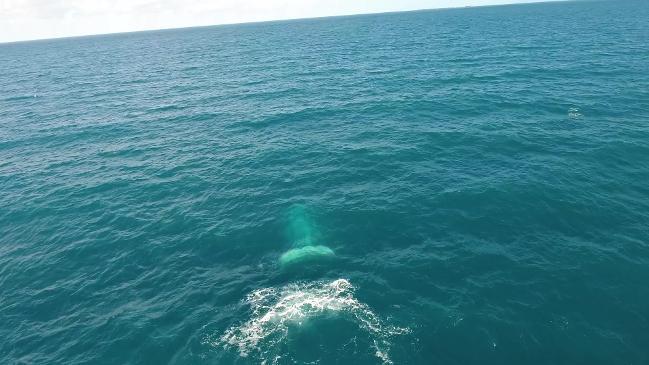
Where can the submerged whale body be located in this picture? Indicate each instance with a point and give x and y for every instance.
(305, 254)
(300, 228)
(303, 233)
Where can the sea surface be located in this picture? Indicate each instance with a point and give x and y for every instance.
(462, 186)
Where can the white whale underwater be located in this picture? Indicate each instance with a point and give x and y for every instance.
(303, 235)
(275, 311)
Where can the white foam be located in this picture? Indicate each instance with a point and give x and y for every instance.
(274, 310)
(574, 113)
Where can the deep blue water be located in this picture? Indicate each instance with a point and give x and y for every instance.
(464, 186)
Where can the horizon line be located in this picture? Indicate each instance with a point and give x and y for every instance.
(533, 2)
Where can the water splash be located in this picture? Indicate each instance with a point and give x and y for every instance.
(274, 311)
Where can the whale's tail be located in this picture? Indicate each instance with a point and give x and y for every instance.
(306, 254)
(303, 235)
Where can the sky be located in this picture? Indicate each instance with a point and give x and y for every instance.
(38, 19)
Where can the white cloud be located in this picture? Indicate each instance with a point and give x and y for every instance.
(34, 19)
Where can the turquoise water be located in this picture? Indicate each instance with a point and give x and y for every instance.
(463, 186)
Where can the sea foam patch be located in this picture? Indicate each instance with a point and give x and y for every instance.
(275, 311)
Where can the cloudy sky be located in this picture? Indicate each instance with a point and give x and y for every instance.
(36, 19)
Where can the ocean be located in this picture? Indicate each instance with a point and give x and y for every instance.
(460, 186)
